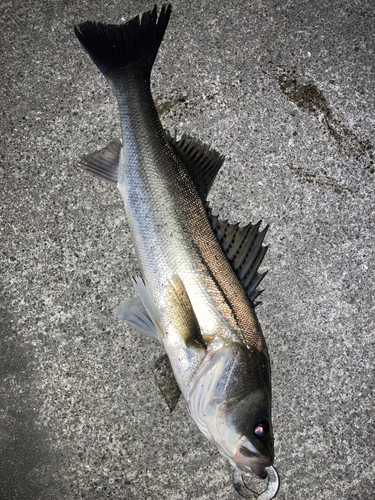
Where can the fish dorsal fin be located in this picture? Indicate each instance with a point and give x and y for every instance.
(244, 250)
(104, 163)
(140, 311)
(202, 162)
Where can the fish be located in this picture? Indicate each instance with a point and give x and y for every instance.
(197, 291)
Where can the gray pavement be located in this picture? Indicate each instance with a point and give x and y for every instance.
(286, 91)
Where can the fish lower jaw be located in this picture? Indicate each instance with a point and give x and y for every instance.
(257, 468)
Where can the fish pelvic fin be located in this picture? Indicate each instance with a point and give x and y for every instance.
(113, 47)
(140, 311)
(104, 163)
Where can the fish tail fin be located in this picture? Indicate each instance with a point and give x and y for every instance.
(113, 47)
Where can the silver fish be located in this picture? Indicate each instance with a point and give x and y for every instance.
(199, 274)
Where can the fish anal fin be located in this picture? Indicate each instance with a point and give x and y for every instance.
(104, 163)
(202, 162)
(166, 382)
(243, 246)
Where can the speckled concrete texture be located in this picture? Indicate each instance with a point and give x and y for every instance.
(286, 91)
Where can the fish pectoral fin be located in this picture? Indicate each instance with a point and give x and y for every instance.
(166, 382)
(244, 250)
(202, 162)
(140, 312)
(104, 163)
(181, 315)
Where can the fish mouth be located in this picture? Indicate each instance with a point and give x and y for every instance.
(254, 462)
(259, 471)
(259, 467)
(256, 468)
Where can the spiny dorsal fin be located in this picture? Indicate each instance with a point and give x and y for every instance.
(244, 250)
(202, 162)
(104, 163)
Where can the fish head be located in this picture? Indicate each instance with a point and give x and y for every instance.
(251, 420)
(230, 402)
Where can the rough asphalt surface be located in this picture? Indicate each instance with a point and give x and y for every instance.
(286, 91)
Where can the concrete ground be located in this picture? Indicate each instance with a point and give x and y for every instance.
(286, 91)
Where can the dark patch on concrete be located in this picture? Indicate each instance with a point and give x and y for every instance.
(25, 458)
(323, 182)
(163, 106)
(166, 382)
(310, 99)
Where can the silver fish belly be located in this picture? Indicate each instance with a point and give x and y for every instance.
(197, 295)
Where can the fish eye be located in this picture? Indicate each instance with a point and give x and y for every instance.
(262, 429)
